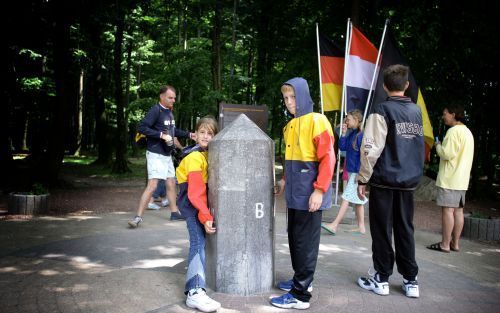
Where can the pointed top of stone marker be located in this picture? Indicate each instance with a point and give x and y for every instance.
(241, 128)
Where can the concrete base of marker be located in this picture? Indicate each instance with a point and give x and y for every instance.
(26, 204)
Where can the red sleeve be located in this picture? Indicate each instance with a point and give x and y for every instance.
(326, 157)
(197, 195)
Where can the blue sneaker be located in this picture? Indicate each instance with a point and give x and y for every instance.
(287, 301)
(287, 285)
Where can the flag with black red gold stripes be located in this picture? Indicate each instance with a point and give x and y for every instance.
(391, 55)
(332, 73)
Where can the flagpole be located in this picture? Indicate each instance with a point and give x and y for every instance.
(343, 103)
(319, 69)
(375, 72)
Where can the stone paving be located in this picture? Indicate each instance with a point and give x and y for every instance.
(96, 264)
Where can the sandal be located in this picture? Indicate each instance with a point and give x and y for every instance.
(331, 232)
(453, 249)
(437, 247)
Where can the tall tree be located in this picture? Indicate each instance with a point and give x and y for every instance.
(120, 164)
(97, 119)
(59, 122)
(216, 47)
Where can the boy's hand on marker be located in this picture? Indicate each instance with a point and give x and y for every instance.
(279, 188)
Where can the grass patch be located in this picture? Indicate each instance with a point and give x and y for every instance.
(83, 166)
(82, 160)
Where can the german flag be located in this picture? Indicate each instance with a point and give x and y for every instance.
(392, 55)
(332, 73)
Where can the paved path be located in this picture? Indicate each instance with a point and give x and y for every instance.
(96, 264)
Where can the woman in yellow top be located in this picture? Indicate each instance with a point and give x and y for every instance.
(456, 153)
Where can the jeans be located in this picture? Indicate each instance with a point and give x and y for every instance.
(160, 191)
(195, 277)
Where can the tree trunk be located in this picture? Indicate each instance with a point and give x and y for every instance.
(130, 131)
(233, 38)
(79, 116)
(216, 44)
(120, 165)
(8, 95)
(95, 96)
(250, 73)
(59, 123)
(263, 45)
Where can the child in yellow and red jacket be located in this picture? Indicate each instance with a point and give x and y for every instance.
(309, 164)
(192, 175)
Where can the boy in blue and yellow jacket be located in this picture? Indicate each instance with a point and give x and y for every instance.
(309, 165)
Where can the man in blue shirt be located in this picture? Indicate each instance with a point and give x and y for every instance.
(159, 127)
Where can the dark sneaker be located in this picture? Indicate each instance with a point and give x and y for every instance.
(410, 288)
(176, 216)
(135, 222)
(287, 301)
(374, 284)
(287, 285)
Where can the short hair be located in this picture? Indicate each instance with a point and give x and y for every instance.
(164, 89)
(395, 77)
(208, 122)
(286, 88)
(458, 110)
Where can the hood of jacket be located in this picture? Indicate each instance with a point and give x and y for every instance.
(303, 101)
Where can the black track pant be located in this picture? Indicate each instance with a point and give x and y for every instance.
(392, 209)
(304, 230)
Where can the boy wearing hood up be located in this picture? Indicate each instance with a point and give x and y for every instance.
(307, 179)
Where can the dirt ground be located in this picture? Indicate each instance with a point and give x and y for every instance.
(92, 195)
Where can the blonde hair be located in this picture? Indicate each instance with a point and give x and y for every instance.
(208, 122)
(286, 88)
(359, 116)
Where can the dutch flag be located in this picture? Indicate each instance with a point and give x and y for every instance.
(360, 69)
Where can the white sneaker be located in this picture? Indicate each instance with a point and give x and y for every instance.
(410, 287)
(153, 206)
(165, 202)
(135, 222)
(374, 284)
(198, 299)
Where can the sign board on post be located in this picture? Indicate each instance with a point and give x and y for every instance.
(258, 114)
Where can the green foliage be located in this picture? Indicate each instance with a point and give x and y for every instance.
(263, 43)
(478, 215)
(30, 54)
(38, 189)
(31, 84)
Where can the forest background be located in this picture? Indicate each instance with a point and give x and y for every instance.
(79, 75)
